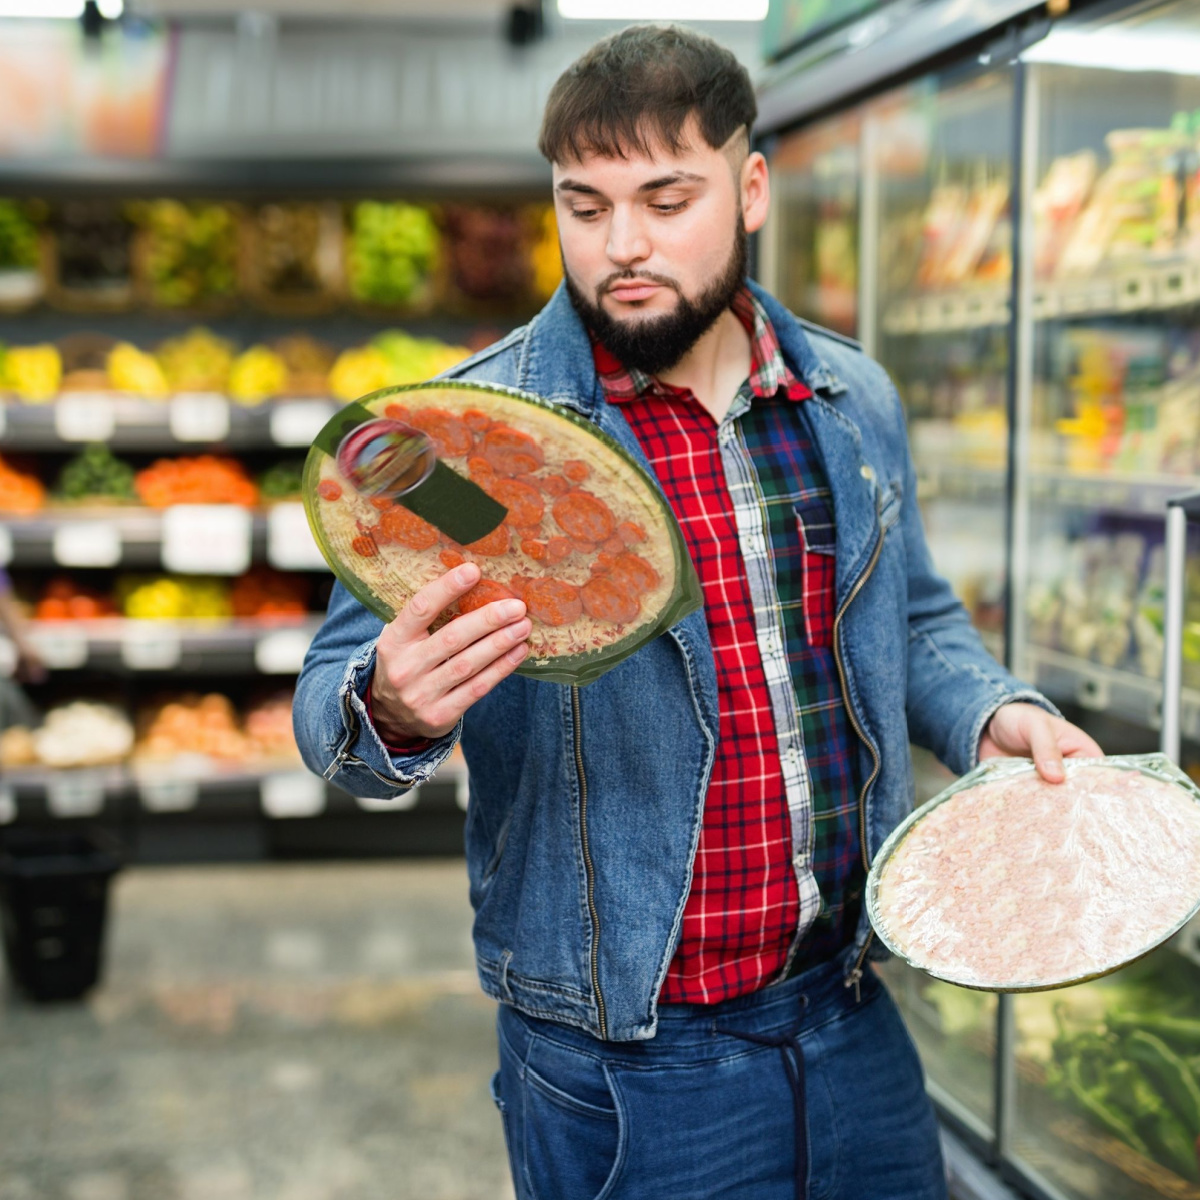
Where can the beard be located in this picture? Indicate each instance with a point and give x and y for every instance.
(657, 343)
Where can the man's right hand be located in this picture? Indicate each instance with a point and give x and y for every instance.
(425, 681)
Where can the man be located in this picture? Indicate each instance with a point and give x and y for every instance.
(667, 865)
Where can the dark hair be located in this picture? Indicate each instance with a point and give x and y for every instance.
(636, 89)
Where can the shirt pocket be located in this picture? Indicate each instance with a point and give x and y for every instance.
(818, 550)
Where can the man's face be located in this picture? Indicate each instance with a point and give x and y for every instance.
(654, 245)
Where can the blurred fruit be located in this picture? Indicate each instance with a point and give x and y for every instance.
(392, 251)
(172, 598)
(199, 361)
(413, 360)
(33, 372)
(132, 370)
(257, 375)
(282, 481)
(93, 241)
(546, 255)
(95, 474)
(63, 599)
(82, 734)
(487, 252)
(17, 747)
(359, 371)
(192, 724)
(18, 237)
(286, 248)
(20, 492)
(269, 728)
(205, 479)
(263, 592)
(190, 251)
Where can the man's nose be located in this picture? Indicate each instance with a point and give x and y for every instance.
(627, 241)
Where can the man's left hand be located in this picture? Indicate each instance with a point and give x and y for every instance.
(1026, 731)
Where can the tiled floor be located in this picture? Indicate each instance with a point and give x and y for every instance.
(270, 1032)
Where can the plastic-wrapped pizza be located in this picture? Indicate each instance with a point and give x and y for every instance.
(409, 482)
(1005, 882)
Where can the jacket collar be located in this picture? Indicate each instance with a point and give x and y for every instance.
(556, 357)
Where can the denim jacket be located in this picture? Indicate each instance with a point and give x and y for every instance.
(586, 803)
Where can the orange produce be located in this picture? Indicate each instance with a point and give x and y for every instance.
(193, 724)
(263, 592)
(20, 492)
(64, 600)
(204, 479)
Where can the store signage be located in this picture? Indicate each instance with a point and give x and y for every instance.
(297, 422)
(3, 419)
(84, 417)
(6, 546)
(61, 650)
(8, 805)
(167, 793)
(148, 646)
(282, 652)
(86, 544)
(290, 543)
(206, 539)
(75, 793)
(292, 794)
(199, 417)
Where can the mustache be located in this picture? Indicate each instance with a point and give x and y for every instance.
(648, 276)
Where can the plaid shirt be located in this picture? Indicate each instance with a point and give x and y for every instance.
(777, 876)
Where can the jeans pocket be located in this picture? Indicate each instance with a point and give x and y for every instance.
(572, 1130)
(818, 569)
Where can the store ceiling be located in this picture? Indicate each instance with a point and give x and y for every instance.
(323, 9)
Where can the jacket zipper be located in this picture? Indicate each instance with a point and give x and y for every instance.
(589, 870)
(344, 756)
(854, 979)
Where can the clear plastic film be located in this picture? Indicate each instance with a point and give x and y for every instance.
(408, 482)
(1005, 882)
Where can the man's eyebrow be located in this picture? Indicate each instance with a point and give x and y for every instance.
(572, 185)
(667, 180)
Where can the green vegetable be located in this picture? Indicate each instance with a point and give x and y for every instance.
(282, 480)
(18, 237)
(1183, 1033)
(392, 251)
(1172, 1075)
(96, 472)
(1092, 1103)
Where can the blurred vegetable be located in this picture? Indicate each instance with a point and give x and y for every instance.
(18, 237)
(95, 474)
(282, 481)
(257, 375)
(488, 252)
(63, 599)
(205, 479)
(192, 724)
(131, 370)
(33, 372)
(170, 598)
(191, 251)
(93, 241)
(82, 734)
(199, 361)
(359, 371)
(263, 592)
(392, 251)
(546, 255)
(20, 492)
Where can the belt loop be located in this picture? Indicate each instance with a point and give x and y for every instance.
(505, 990)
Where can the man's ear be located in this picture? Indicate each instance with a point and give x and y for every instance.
(755, 188)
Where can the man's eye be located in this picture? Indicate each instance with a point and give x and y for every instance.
(584, 214)
(670, 208)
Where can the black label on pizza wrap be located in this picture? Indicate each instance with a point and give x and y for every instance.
(452, 503)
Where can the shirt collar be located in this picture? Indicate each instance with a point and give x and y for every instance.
(769, 373)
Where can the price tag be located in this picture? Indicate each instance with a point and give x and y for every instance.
(75, 794)
(401, 803)
(167, 793)
(150, 646)
(61, 649)
(8, 805)
(282, 651)
(199, 417)
(8, 657)
(293, 794)
(6, 546)
(297, 422)
(84, 417)
(206, 539)
(290, 543)
(3, 419)
(86, 544)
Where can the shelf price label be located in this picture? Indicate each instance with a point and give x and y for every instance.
(75, 793)
(292, 794)
(149, 646)
(282, 651)
(206, 539)
(290, 543)
(6, 546)
(199, 417)
(84, 417)
(8, 805)
(61, 649)
(86, 544)
(297, 422)
(402, 803)
(167, 793)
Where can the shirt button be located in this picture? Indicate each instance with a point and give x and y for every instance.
(867, 471)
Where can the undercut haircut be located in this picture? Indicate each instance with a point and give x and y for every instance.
(634, 91)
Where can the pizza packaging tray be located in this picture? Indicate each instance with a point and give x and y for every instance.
(988, 899)
(408, 482)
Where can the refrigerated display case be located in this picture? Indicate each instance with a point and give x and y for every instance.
(1028, 270)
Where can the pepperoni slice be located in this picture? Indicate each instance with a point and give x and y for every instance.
(585, 517)
(496, 542)
(451, 559)
(449, 435)
(634, 574)
(534, 548)
(484, 592)
(631, 533)
(575, 470)
(382, 503)
(602, 563)
(554, 485)
(606, 601)
(475, 420)
(552, 601)
(511, 452)
(480, 470)
(557, 548)
(400, 525)
(519, 584)
(364, 546)
(398, 412)
(524, 503)
(329, 489)
(582, 547)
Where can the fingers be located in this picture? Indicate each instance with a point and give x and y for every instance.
(1044, 748)
(455, 703)
(1074, 743)
(414, 619)
(455, 636)
(477, 656)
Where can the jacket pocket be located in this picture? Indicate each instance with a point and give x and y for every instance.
(818, 543)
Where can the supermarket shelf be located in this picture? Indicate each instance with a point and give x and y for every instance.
(274, 646)
(1123, 694)
(1154, 287)
(184, 422)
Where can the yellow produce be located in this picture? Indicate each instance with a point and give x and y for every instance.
(197, 362)
(545, 256)
(257, 375)
(359, 371)
(168, 599)
(131, 370)
(33, 372)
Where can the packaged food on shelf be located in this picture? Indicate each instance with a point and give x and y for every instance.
(95, 475)
(257, 374)
(173, 598)
(65, 599)
(264, 592)
(392, 250)
(21, 491)
(187, 253)
(1057, 203)
(91, 255)
(1107, 868)
(197, 361)
(410, 482)
(202, 479)
(32, 373)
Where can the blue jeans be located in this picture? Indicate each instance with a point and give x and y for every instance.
(731, 1101)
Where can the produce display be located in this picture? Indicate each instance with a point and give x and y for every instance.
(132, 370)
(263, 592)
(197, 361)
(18, 237)
(93, 243)
(1106, 866)
(257, 374)
(95, 475)
(65, 599)
(545, 257)
(391, 252)
(32, 373)
(190, 252)
(21, 492)
(202, 479)
(78, 734)
(411, 482)
(268, 727)
(392, 359)
(174, 597)
(209, 726)
(282, 481)
(488, 252)
(287, 244)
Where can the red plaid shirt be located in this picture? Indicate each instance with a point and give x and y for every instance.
(742, 911)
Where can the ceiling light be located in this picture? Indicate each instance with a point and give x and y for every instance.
(663, 10)
(57, 10)
(1119, 49)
